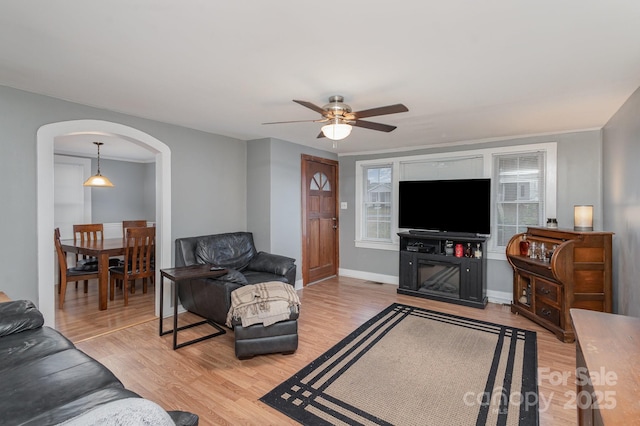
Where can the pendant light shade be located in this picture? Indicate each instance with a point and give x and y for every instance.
(98, 180)
(337, 130)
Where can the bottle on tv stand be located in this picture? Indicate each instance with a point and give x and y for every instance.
(448, 248)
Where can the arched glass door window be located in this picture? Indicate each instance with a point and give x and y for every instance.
(320, 182)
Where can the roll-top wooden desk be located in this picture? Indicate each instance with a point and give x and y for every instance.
(574, 271)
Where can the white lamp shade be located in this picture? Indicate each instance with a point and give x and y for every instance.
(583, 218)
(98, 180)
(336, 131)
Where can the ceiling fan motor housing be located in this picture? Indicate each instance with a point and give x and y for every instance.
(336, 108)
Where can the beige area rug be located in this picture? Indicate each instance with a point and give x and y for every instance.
(412, 366)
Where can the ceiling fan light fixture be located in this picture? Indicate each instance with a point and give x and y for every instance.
(98, 180)
(336, 131)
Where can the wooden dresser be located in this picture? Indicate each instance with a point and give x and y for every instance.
(607, 368)
(573, 271)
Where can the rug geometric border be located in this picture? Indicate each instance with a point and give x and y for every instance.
(302, 394)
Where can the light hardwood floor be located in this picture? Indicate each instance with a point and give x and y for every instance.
(207, 379)
(81, 319)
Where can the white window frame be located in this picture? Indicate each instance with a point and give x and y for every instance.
(84, 167)
(392, 202)
(493, 251)
(361, 167)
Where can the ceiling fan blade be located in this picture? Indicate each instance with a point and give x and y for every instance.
(389, 109)
(297, 121)
(320, 135)
(373, 126)
(309, 105)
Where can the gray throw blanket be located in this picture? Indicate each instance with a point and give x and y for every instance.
(263, 303)
(124, 412)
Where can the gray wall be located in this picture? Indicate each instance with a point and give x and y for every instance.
(274, 205)
(133, 196)
(208, 175)
(211, 174)
(621, 152)
(579, 182)
(259, 192)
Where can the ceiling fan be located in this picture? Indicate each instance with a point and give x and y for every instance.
(340, 117)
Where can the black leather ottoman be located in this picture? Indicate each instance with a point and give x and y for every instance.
(258, 339)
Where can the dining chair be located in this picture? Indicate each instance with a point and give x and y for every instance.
(87, 232)
(69, 274)
(132, 224)
(139, 247)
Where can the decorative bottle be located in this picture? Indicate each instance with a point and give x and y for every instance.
(478, 252)
(524, 299)
(467, 252)
(448, 248)
(524, 246)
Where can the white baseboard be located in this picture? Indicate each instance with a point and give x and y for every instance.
(500, 297)
(369, 276)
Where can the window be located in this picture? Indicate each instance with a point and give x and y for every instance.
(72, 201)
(519, 188)
(377, 203)
(523, 190)
(320, 182)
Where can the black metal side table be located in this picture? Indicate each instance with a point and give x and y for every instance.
(176, 275)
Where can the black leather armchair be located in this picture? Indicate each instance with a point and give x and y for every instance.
(211, 298)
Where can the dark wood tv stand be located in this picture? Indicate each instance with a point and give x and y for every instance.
(428, 270)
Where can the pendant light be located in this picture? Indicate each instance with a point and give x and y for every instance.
(98, 180)
(337, 130)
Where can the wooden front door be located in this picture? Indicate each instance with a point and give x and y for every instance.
(319, 218)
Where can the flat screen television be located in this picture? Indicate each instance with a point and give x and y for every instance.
(456, 206)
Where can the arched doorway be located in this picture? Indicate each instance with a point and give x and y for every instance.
(45, 142)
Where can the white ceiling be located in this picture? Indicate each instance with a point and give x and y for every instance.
(467, 70)
(113, 148)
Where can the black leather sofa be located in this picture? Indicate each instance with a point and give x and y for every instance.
(211, 298)
(45, 380)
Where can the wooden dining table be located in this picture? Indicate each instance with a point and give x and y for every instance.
(102, 250)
